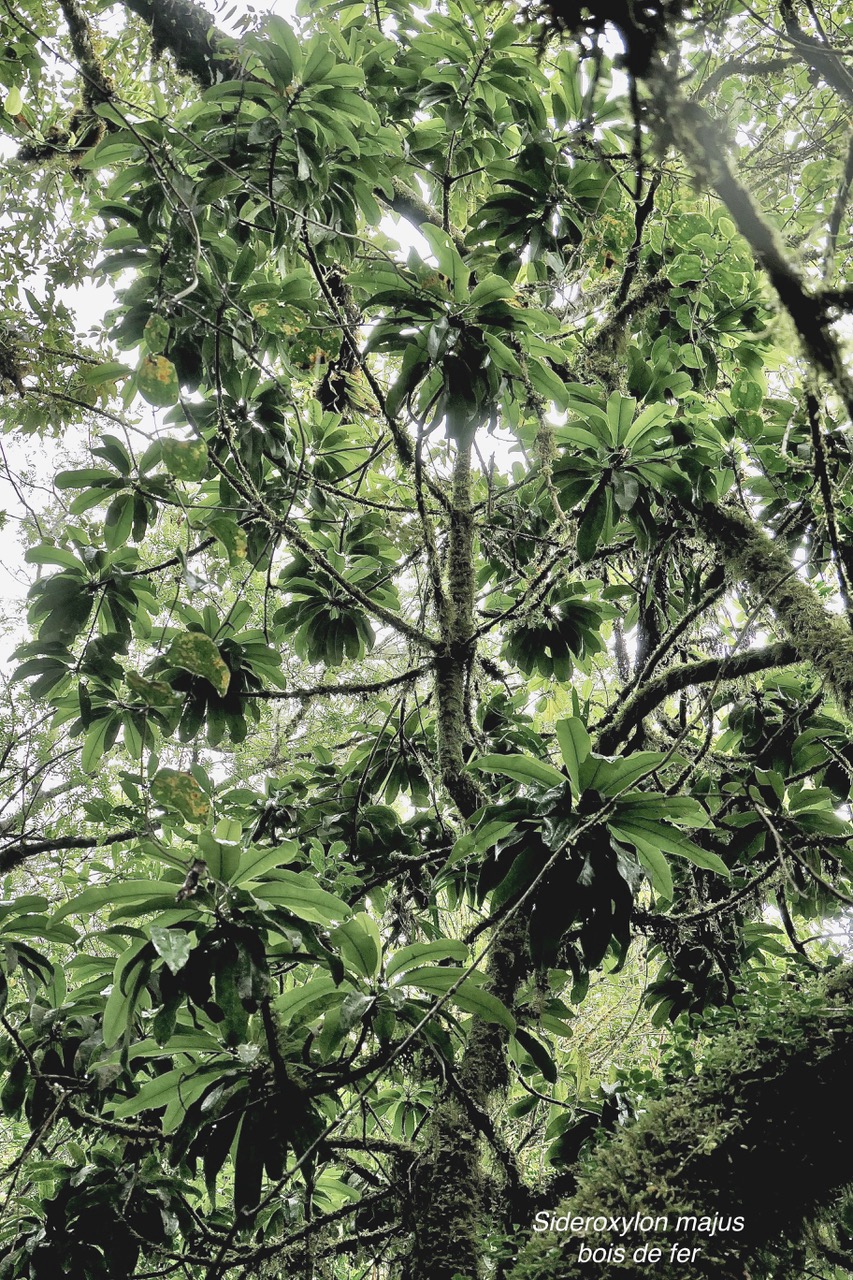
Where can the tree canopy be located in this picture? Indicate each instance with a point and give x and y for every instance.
(426, 756)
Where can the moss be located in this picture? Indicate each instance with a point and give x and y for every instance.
(97, 86)
(764, 1132)
(446, 1199)
(751, 557)
(184, 28)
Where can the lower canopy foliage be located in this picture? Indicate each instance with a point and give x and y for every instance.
(425, 766)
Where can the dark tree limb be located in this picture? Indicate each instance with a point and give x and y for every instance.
(821, 57)
(741, 67)
(409, 205)
(697, 136)
(97, 85)
(14, 855)
(839, 209)
(302, 693)
(750, 557)
(705, 671)
(189, 33)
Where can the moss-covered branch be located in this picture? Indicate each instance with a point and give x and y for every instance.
(189, 33)
(750, 557)
(97, 85)
(697, 136)
(762, 1133)
(705, 671)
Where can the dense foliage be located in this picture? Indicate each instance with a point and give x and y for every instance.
(429, 432)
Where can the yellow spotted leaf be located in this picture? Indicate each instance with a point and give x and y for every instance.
(184, 459)
(180, 793)
(197, 653)
(157, 380)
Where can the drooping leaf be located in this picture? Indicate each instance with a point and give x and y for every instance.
(195, 652)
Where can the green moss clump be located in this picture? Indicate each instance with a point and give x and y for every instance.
(764, 1132)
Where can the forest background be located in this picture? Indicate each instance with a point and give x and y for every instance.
(425, 755)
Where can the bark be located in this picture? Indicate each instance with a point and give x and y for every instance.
(697, 136)
(97, 85)
(448, 1202)
(749, 556)
(821, 57)
(14, 855)
(762, 1132)
(187, 30)
(705, 671)
(447, 1183)
(457, 649)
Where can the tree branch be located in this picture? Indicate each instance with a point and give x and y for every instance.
(749, 556)
(696, 135)
(15, 854)
(647, 696)
(188, 31)
(724, 1143)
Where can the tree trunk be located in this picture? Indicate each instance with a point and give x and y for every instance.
(764, 1132)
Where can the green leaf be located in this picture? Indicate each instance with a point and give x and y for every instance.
(437, 981)
(179, 792)
(172, 945)
(521, 769)
(502, 357)
(684, 811)
(233, 538)
(302, 897)
(746, 394)
(157, 379)
(109, 371)
(575, 746)
(255, 863)
(592, 523)
(538, 1054)
(156, 334)
(611, 776)
(14, 103)
(650, 858)
(447, 256)
(184, 459)
(669, 840)
(116, 893)
(548, 383)
(98, 741)
(418, 953)
(491, 289)
(119, 521)
(183, 1083)
(282, 34)
(620, 415)
(195, 652)
(45, 554)
(360, 945)
(126, 989)
(83, 477)
(686, 268)
(297, 1001)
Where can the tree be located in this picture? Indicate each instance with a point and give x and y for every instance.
(439, 638)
